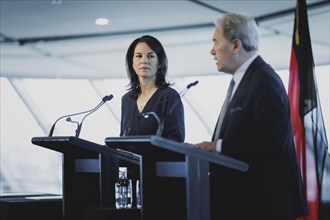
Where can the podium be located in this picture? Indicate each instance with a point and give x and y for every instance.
(90, 171)
(194, 168)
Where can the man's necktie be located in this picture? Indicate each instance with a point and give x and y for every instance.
(223, 110)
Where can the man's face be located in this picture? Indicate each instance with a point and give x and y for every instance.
(222, 51)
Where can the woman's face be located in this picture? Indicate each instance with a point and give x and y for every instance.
(145, 62)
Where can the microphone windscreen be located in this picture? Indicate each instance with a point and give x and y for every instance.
(195, 83)
(107, 98)
(192, 84)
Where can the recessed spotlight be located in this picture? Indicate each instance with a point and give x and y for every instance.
(56, 2)
(101, 21)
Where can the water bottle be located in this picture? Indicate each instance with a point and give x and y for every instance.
(138, 195)
(123, 190)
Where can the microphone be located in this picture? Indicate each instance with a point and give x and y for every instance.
(160, 125)
(68, 119)
(104, 99)
(160, 122)
(182, 94)
(192, 84)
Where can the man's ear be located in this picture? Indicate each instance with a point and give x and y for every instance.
(237, 45)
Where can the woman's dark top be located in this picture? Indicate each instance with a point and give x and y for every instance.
(165, 103)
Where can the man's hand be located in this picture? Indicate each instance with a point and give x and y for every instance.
(205, 145)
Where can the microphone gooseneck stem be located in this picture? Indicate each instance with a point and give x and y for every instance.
(51, 130)
(53, 127)
(78, 130)
(182, 93)
(80, 124)
(160, 128)
(68, 119)
(104, 99)
(159, 122)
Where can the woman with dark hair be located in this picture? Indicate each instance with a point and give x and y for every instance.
(151, 106)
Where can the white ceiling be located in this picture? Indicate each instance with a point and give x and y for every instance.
(58, 38)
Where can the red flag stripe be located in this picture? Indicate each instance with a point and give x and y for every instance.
(294, 97)
(304, 157)
(301, 92)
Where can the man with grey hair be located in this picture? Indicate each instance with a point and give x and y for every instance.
(254, 126)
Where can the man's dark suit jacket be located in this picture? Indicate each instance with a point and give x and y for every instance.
(257, 129)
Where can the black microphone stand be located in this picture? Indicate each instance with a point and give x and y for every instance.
(159, 122)
(104, 99)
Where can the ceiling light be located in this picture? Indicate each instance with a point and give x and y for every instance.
(101, 21)
(56, 2)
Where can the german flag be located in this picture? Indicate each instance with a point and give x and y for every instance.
(307, 119)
